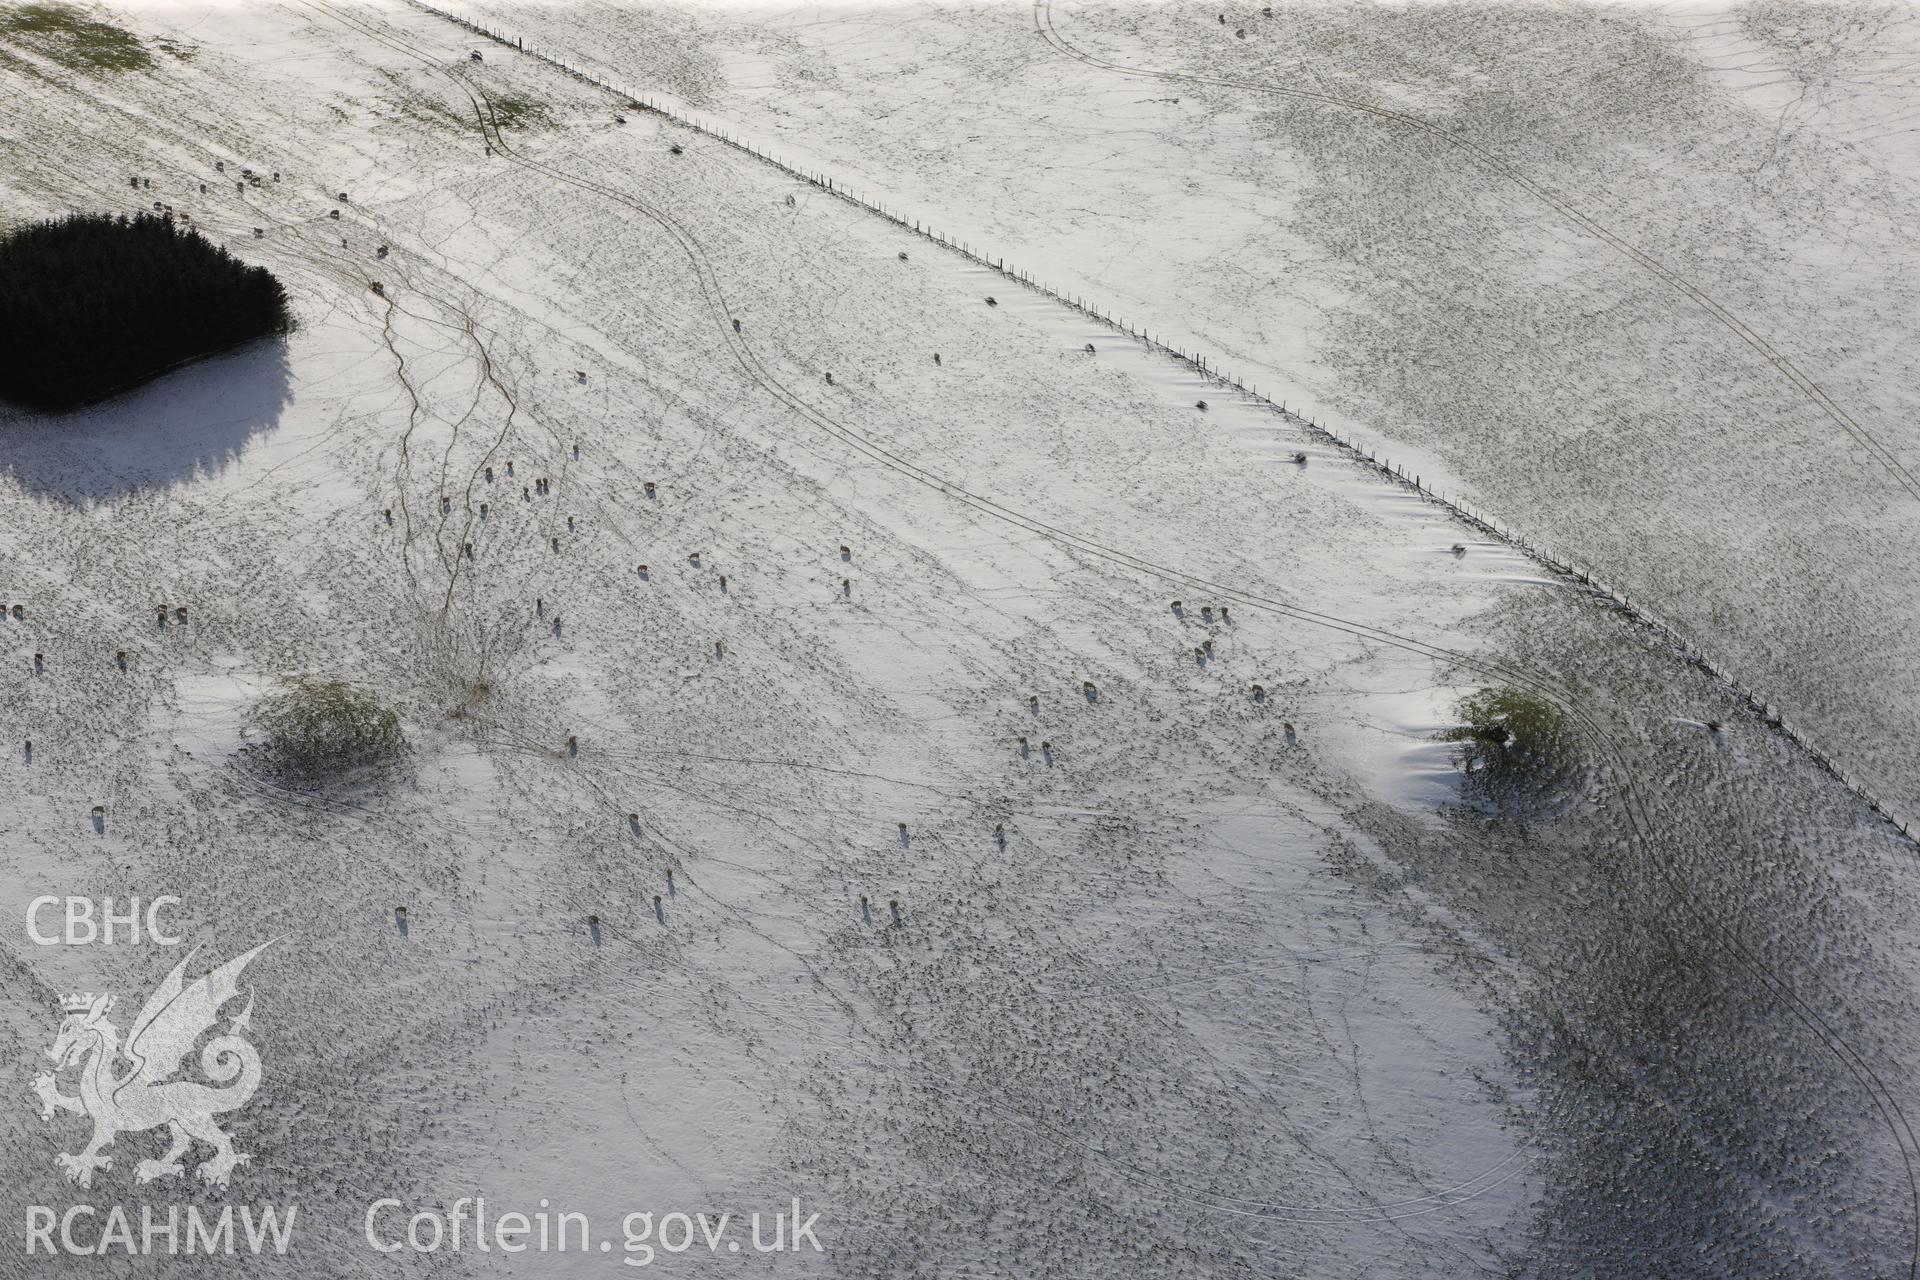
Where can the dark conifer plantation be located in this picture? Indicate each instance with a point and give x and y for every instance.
(93, 304)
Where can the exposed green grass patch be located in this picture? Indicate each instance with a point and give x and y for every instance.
(65, 33)
(515, 111)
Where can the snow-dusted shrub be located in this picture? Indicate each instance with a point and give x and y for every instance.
(93, 304)
(313, 732)
(1518, 753)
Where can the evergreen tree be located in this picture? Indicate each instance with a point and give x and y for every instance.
(94, 304)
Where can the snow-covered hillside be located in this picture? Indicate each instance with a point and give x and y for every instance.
(1638, 279)
(894, 842)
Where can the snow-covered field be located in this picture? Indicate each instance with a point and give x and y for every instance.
(1244, 989)
(1637, 279)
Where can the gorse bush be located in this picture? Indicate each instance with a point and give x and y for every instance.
(1518, 754)
(93, 304)
(314, 732)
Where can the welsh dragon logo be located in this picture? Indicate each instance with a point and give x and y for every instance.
(144, 1095)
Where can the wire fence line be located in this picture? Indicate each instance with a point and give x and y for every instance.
(1658, 629)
